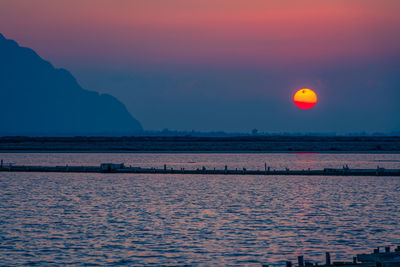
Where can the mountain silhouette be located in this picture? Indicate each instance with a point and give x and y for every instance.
(37, 98)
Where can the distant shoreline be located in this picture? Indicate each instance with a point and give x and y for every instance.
(248, 144)
(195, 152)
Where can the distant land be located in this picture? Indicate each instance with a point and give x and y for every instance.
(260, 144)
(38, 99)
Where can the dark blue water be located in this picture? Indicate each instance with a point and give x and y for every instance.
(133, 219)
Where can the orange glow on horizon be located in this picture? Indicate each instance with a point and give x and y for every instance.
(305, 98)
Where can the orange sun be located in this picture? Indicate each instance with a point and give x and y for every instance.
(305, 98)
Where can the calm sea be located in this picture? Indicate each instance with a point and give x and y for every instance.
(130, 219)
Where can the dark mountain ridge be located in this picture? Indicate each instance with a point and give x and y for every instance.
(40, 99)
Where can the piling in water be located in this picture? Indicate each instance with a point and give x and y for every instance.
(300, 260)
(377, 258)
(327, 258)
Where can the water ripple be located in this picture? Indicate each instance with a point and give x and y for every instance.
(108, 219)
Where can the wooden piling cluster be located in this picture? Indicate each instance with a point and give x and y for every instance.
(375, 259)
(121, 168)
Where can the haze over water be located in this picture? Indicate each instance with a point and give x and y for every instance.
(55, 218)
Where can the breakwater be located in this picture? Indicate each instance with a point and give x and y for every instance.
(121, 168)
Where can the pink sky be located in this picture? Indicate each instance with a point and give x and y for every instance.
(205, 32)
(189, 64)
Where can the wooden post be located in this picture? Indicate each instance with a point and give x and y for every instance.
(327, 258)
(387, 249)
(288, 264)
(226, 169)
(165, 167)
(300, 260)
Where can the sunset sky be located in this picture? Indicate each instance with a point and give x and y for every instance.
(230, 65)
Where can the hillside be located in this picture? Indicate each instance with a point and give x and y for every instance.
(38, 99)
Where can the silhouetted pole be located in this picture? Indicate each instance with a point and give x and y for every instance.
(327, 258)
(300, 259)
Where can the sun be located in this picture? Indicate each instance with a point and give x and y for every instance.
(305, 98)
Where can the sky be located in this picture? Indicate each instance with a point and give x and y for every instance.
(226, 65)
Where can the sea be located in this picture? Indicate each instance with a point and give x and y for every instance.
(54, 219)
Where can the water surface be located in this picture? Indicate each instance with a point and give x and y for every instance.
(57, 218)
